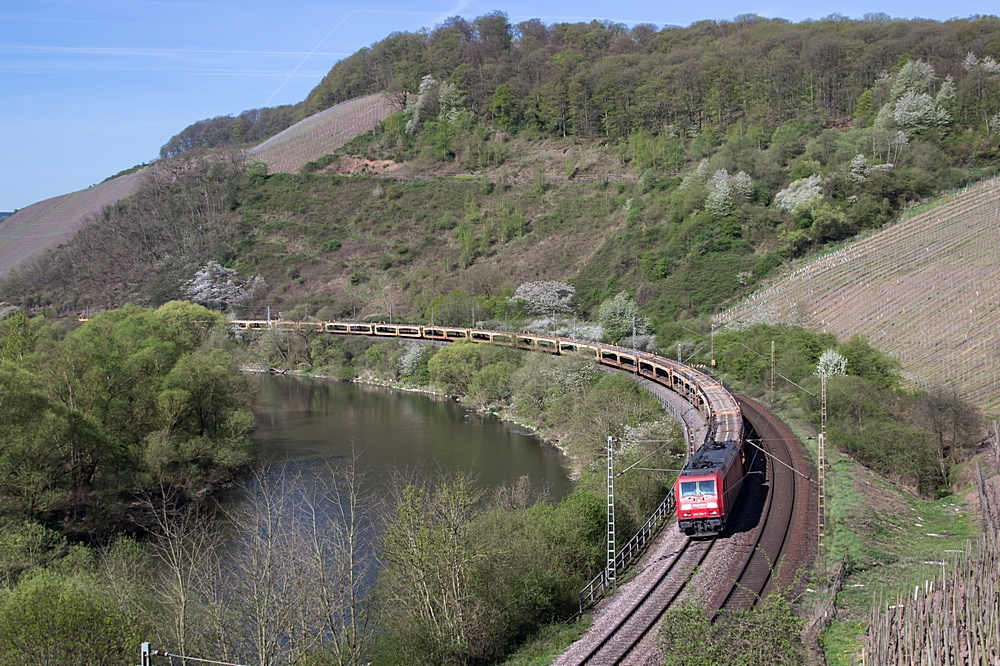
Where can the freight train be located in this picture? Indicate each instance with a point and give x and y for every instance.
(707, 488)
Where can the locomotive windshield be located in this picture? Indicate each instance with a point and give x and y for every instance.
(693, 488)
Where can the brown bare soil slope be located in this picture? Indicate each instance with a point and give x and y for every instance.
(26, 234)
(321, 134)
(925, 290)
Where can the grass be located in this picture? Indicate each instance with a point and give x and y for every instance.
(886, 533)
(550, 642)
(408, 238)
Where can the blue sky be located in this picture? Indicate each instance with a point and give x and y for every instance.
(88, 88)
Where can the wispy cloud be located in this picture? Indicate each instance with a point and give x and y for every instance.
(147, 52)
(63, 66)
(458, 7)
(311, 53)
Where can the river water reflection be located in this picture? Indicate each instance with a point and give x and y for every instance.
(300, 419)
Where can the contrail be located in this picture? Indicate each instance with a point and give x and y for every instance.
(315, 48)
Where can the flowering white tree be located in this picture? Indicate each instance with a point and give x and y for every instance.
(410, 359)
(217, 287)
(428, 90)
(545, 298)
(831, 364)
(916, 111)
(451, 102)
(859, 169)
(989, 64)
(915, 76)
(723, 189)
(804, 192)
(743, 184)
(911, 105)
(719, 202)
(699, 175)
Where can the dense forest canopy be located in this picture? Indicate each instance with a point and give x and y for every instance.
(606, 79)
(134, 400)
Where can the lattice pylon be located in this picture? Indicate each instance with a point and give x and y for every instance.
(611, 571)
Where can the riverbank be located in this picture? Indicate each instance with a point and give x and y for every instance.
(572, 462)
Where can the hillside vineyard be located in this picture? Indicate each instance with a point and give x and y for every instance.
(926, 291)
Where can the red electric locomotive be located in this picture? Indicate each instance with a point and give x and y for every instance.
(706, 490)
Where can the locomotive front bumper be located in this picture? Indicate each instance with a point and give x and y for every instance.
(701, 526)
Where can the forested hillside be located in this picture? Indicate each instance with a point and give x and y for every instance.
(604, 79)
(586, 179)
(682, 165)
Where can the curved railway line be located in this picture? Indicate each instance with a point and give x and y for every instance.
(753, 581)
(772, 510)
(614, 646)
(783, 508)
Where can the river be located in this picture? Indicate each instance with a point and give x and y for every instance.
(301, 419)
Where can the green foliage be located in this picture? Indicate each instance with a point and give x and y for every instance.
(428, 572)
(467, 582)
(865, 361)
(619, 317)
(131, 398)
(504, 106)
(491, 384)
(257, 172)
(919, 439)
(461, 365)
(61, 618)
(768, 634)
(26, 546)
(19, 339)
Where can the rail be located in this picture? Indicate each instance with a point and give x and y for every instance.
(702, 391)
(636, 546)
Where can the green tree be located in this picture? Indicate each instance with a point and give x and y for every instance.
(768, 634)
(431, 614)
(57, 618)
(863, 360)
(453, 367)
(20, 338)
(491, 384)
(505, 107)
(619, 316)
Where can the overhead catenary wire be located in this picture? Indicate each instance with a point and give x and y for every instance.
(666, 443)
(775, 458)
(781, 375)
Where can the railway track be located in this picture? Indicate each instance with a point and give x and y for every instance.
(785, 510)
(615, 645)
(755, 575)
